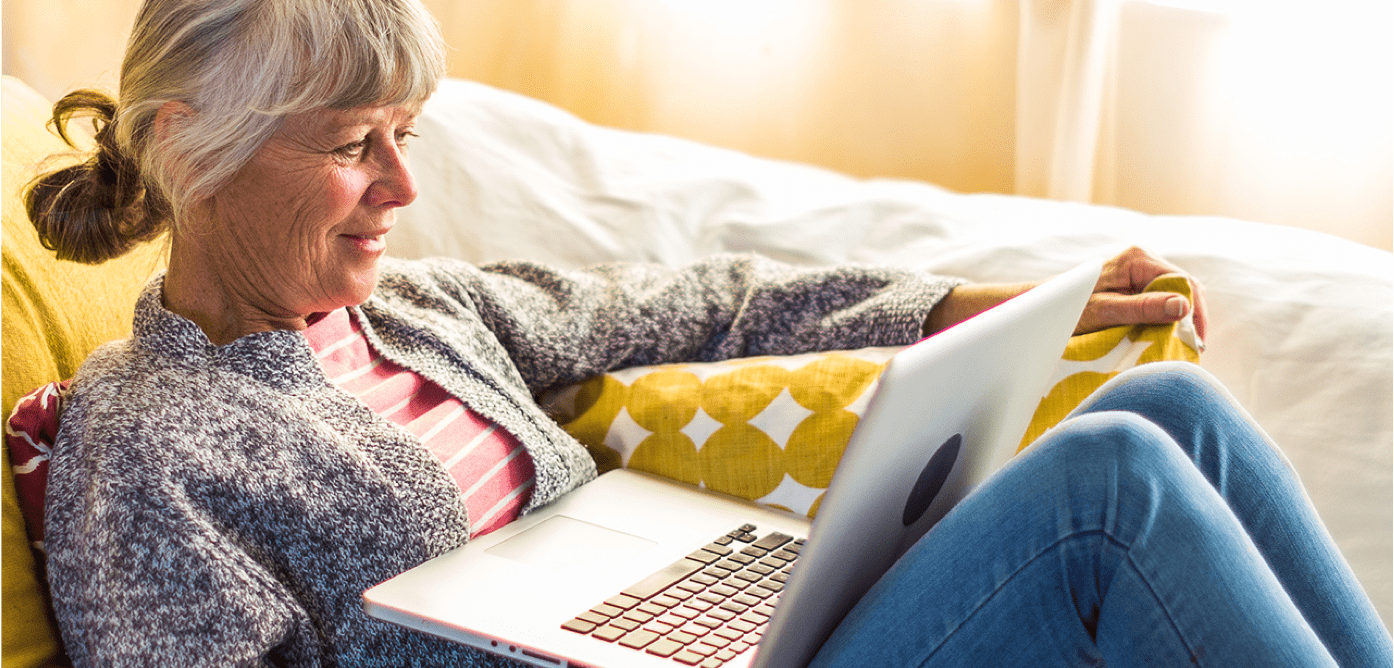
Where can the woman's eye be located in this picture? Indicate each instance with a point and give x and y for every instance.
(351, 150)
(403, 137)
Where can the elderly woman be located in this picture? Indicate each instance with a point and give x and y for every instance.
(297, 418)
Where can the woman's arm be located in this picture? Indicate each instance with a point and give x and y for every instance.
(1118, 298)
(564, 326)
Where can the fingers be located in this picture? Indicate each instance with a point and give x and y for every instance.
(1131, 271)
(1110, 309)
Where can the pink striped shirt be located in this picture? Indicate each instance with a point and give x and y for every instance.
(492, 468)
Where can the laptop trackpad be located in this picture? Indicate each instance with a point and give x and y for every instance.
(561, 542)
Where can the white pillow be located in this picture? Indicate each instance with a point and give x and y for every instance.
(501, 176)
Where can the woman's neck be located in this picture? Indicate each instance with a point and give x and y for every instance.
(195, 289)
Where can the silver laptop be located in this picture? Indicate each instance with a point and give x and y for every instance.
(635, 570)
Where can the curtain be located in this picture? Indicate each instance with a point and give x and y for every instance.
(1270, 110)
(1275, 111)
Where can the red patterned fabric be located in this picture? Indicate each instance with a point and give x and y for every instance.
(29, 435)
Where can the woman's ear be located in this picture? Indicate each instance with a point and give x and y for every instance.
(170, 118)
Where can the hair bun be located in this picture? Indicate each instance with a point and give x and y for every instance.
(100, 208)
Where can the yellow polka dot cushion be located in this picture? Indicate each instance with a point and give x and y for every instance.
(772, 429)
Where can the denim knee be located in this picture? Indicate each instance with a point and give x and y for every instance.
(1106, 454)
(1159, 386)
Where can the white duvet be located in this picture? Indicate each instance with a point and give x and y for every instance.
(1300, 322)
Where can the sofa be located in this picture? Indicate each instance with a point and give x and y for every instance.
(1300, 324)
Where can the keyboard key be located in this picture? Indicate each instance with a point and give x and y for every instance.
(705, 578)
(734, 606)
(741, 558)
(622, 601)
(640, 616)
(759, 591)
(746, 600)
(684, 612)
(708, 622)
(723, 614)
(638, 639)
(729, 565)
(712, 598)
(664, 601)
(689, 585)
(609, 633)
(714, 641)
(688, 657)
(705, 557)
(720, 573)
(678, 593)
(592, 617)
(760, 568)
(682, 638)
(724, 590)
(653, 584)
(579, 626)
(608, 611)
(663, 647)
(672, 620)
(695, 629)
(728, 633)
(703, 649)
(719, 548)
(755, 552)
(753, 618)
(658, 627)
(742, 625)
(698, 604)
(736, 583)
(750, 576)
(772, 541)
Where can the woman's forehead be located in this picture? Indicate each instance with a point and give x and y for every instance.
(329, 119)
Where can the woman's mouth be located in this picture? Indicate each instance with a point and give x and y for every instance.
(368, 243)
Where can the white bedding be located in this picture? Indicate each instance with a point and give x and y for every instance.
(1300, 322)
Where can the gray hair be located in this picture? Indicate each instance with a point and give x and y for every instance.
(242, 66)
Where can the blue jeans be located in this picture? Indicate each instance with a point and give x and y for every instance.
(1157, 526)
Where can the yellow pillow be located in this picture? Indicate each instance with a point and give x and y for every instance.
(1091, 359)
(772, 429)
(54, 313)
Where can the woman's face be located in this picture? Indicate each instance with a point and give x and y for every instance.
(300, 227)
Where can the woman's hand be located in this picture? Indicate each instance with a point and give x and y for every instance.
(1117, 300)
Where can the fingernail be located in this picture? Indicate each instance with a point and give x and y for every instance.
(1176, 307)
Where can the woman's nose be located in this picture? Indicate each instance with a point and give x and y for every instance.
(394, 186)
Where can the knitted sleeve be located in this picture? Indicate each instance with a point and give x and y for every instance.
(564, 326)
(153, 580)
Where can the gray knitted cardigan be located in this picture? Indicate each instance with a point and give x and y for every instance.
(225, 505)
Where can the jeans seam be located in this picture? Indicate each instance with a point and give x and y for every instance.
(996, 591)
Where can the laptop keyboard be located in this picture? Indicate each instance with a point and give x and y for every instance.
(704, 609)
